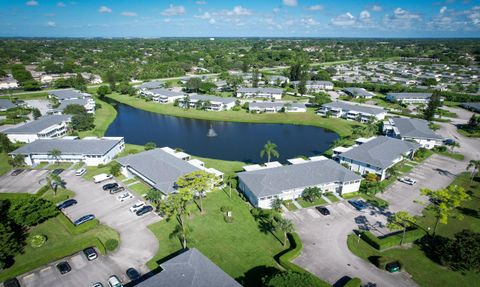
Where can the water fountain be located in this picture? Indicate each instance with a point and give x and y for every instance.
(211, 132)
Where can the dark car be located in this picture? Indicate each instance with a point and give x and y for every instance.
(16, 172)
(57, 171)
(117, 189)
(132, 274)
(323, 210)
(11, 283)
(90, 253)
(67, 203)
(144, 210)
(84, 219)
(393, 267)
(449, 141)
(358, 204)
(109, 186)
(64, 267)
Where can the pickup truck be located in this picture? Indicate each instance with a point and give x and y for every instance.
(102, 177)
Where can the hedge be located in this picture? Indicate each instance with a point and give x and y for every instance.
(82, 228)
(392, 240)
(354, 282)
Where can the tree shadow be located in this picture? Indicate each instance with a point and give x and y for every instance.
(342, 281)
(255, 276)
(469, 212)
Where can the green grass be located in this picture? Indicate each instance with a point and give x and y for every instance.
(140, 188)
(332, 197)
(4, 165)
(289, 205)
(341, 127)
(469, 132)
(237, 247)
(41, 165)
(96, 170)
(304, 203)
(61, 195)
(25, 96)
(224, 166)
(454, 155)
(103, 118)
(62, 165)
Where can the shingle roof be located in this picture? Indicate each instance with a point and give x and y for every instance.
(150, 85)
(260, 90)
(68, 94)
(380, 152)
(272, 181)
(6, 104)
(190, 269)
(361, 92)
(471, 106)
(166, 93)
(69, 146)
(414, 128)
(410, 95)
(212, 98)
(355, 107)
(263, 105)
(158, 166)
(38, 125)
(64, 104)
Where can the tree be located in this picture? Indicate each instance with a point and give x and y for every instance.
(154, 196)
(175, 206)
(393, 171)
(193, 84)
(453, 145)
(473, 121)
(231, 181)
(6, 145)
(102, 91)
(445, 201)
(401, 221)
(83, 122)
(433, 105)
(36, 113)
(234, 82)
(371, 177)
(186, 102)
(74, 109)
(150, 145)
(198, 182)
(269, 149)
(302, 86)
(31, 210)
(286, 226)
(475, 166)
(54, 180)
(55, 154)
(290, 278)
(115, 169)
(12, 240)
(276, 204)
(255, 77)
(311, 193)
(463, 252)
(17, 160)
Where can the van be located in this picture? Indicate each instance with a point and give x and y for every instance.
(102, 177)
(80, 172)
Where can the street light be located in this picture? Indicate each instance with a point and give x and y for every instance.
(358, 239)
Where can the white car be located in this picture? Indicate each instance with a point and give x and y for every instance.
(408, 180)
(124, 196)
(113, 281)
(137, 206)
(80, 172)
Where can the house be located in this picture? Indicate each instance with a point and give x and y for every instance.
(474, 107)
(91, 151)
(6, 105)
(409, 98)
(269, 93)
(8, 83)
(263, 184)
(46, 127)
(375, 155)
(189, 269)
(316, 86)
(354, 112)
(358, 93)
(87, 103)
(212, 103)
(274, 107)
(164, 96)
(412, 130)
(149, 86)
(161, 167)
(71, 94)
(278, 80)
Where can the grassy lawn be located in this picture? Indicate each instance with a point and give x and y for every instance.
(332, 197)
(41, 165)
(304, 203)
(62, 165)
(454, 155)
(140, 188)
(341, 127)
(237, 247)
(4, 165)
(289, 205)
(95, 170)
(26, 96)
(104, 116)
(224, 166)
(61, 195)
(425, 271)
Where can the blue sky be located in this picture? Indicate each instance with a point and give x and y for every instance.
(217, 18)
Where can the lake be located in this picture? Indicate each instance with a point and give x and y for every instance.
(233, 141)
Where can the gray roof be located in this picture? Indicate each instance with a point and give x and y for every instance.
(166, 93)
(69, 146)
(414, 128)
(150, 85)
(158, 166)
(272, 181)
(260, 90)
(68, 94)
(190, 269)
(380, 151)
(38, 125)
(6, 104)
(358, 92)
(263, 105)
(212, 98)
(319, 83)
(410, 95)
(471, 106)
(64, 104)
(355, 107)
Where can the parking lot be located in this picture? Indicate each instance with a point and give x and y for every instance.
(137, 243)
(29, 181)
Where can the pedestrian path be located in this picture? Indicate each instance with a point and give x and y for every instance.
(296, 204)
(326, 199)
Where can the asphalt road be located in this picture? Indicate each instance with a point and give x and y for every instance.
(29, 181)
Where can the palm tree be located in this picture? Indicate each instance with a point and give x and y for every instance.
(454, 145)
(286, 226)
(276, 204)
(55, 154)
(393, 171)
(475, 166)
(231, 182)
(269, 149)
(54, 178)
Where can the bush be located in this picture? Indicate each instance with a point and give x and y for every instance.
(354, 282)
(392, 240)
(290, 278)
(38, 240)
(30, 211)
(111, 244)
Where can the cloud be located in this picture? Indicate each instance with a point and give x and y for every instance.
(104, 9)
(212, 21)
(376, 8)
(309, 21)
(443, 10)
(402, 19)
(173, 10)
(314, 8)
(343, 20)
(201, 2)
(51, 24)
(129, 14)
(204, 16)
(167, 20)
(364, 15)
(239, 11)
(31, 3)
(61, 4)
(291, 3)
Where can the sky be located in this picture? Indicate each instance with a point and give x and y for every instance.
(259, 18)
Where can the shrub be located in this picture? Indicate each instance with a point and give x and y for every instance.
(38, 240)
(111, 244)
(225, 208)
(354, 282)
(30, 211)
(392, 240)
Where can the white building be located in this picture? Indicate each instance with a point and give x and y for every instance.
(163, 96)
(274, 107)
(269, 93)
(87, 103)
(409, 98)
(316, 86)
(355, 112)
(412, 130)
(46, 127)
(262, 184)
(212, 103)
(91, 151)
(358, 93)
(8, 83)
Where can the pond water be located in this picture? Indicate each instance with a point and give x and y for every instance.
(217, 139)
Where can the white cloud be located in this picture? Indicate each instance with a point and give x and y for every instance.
(309, 21)
(291, 3)
(51, 24)
(239, 11)
(276, 10)
(104, 9)
(61, 4)
(167, 20)
(376, 8)
(404, 14)
(344, 20)
(129, 14)
(173, 10)
(364, 15)
(31, 3)
(201, 2)
(402, 19)
(204, 16)
(443, 10)
(212, 21)
(314, 8)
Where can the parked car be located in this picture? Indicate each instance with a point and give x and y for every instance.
(66, 203)
(117, 189)
(358, 204)
(98, 284)
(84, 219)
(11, 283)
(16, 172)
(57, 171)
(80, 172)
(137, 206)
(64, 267)
(323, 210)
(132, 274)
(124, 196)
(90, 253)
(113, 281)
(449, 141)
(144, 210)
(407, 180)
(393, 267)
(109, 186)
(102, 177)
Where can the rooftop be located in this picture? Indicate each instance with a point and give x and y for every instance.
(68, 94)
(414, 128)
(6, 104)
(166, 93)
(260, 90)
(212, 98)
(410, 95)
(150, 85)
(38, 125)
(355, 107)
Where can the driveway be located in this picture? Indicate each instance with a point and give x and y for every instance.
(29, 181)
(137, 243)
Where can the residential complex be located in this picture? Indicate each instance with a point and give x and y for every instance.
(163, 96)
(412, 130)
(72, 97)
(409, 98)
(6, 105)
(356, 112)
(212, 103)
(269, 93)
(274, 107)
(358, 93)
(46, 127)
